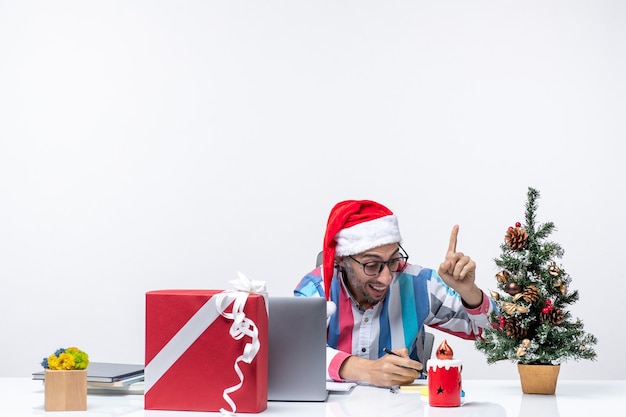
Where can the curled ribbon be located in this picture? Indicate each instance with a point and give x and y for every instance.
(242, 326)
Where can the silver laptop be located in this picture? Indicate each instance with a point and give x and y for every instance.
(297, 349)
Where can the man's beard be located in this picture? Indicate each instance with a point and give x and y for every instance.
(359, 288)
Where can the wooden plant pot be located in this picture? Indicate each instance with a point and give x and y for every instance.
(538, 379)
(65, 390)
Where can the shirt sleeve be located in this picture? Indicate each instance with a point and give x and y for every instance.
(448, 314)
(311, 284)
(334, 359)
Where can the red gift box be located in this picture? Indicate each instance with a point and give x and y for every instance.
(192, 358)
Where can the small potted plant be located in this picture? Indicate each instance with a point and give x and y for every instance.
(533, 326)
(65, 380)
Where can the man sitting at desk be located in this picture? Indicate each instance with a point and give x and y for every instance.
(381, 301)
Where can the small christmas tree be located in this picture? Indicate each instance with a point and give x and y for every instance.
(533, 325)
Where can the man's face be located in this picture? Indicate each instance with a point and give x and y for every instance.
(369, 290)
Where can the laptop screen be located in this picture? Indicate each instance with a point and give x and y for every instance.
(297, 349)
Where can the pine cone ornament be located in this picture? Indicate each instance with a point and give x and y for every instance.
(555, 316)
(530, 294)
(516, 238)
(513, 329)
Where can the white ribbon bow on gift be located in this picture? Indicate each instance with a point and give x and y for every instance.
(248, 285)
(242, 326)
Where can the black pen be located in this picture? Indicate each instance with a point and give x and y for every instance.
(390, 352)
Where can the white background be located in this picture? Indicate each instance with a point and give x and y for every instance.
(170, 144)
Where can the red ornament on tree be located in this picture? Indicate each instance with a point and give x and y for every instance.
(518, 224)
(548, 308)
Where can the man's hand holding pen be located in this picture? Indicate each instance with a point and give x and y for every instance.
(410, 369)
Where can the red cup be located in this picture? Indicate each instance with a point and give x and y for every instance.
(444, 382)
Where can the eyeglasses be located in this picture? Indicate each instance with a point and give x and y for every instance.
(374, 268)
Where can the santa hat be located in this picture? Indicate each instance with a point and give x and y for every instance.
(355, 226)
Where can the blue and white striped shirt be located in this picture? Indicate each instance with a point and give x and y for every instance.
(416, 297)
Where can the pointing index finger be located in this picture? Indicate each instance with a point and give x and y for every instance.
(453, 238)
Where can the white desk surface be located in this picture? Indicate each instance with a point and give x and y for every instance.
(484, 398)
